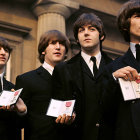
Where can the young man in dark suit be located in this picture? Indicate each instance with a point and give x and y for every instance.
(9, 129)
(36, 84)
(127, 67)
(80, 78)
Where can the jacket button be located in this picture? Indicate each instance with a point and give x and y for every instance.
(97, 124)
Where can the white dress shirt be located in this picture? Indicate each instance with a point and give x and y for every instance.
(89, 62)
(133, 48)
(1, 77)
(48, 67)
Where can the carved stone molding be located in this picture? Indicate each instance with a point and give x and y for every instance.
(13, 28)
(62, 7)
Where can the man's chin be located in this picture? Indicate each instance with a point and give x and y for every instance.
(88, 48)
(58, 60)
(2, 63)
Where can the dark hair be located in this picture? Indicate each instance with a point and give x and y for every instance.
(4, 44)
(88, 19)
(52, 35)
(123, 19)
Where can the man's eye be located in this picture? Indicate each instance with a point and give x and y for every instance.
(92, 29)
(81, 30)
(137, 15)
(6, 50)
(62, 42)
(53, 42)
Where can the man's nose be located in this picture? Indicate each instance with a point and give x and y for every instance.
(86, 32)
(2, 51)
(58, 45)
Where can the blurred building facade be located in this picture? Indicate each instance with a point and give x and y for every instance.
(23, 21)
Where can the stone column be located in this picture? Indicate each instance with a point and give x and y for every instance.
(52, 14)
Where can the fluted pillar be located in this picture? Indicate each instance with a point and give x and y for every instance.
(52, 14)
(51, 21)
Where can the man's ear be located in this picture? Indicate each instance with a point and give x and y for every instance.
(102, 38)
(43, 53)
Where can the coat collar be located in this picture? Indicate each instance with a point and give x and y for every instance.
(75, 69)
(130, 60)
(43, 73)
(7, 85)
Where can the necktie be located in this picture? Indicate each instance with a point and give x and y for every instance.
(95, 70)
(137, 52)
(0, 85)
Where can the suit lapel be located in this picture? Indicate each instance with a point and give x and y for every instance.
(86, 69)
(43, 73)
(102, 64)
(75, 69)
(130, 60)
(5, 84)
(104, 61)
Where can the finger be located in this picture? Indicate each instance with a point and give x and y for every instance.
(121, 73)
(70, 119)
(12, 90)
(63, 119)
(67, 119)
(133, 72)
(135, 75)
(12, 108)
(125, 77)
(8, 107)
(130, 76)
(2, 107)
(73, 117)
(58, 119)
(138, 77)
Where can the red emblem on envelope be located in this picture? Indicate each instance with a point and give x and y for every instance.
(16, 93)
(138, 81)
(68, 104)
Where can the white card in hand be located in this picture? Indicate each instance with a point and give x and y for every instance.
(58, 107)
(129, 89)
(9, 97)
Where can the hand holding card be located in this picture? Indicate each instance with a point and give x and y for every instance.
(58, 107)
(8, 98)
(130, 89)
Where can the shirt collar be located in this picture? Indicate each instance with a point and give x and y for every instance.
(133, 48)
(1, 75)
(48, 67)
(87, 57)
(1, 78)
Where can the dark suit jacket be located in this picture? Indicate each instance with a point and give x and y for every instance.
(8, 120)
(128, 116)
(74, 80)
(36, 86)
